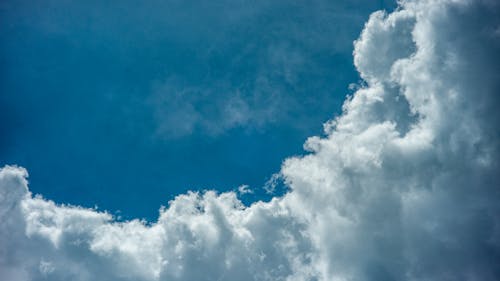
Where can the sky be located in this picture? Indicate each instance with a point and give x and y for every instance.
(398, 180)
(150, 100)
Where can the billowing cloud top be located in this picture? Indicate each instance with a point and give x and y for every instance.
(405, 185)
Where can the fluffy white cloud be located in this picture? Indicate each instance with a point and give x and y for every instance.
(404, 186)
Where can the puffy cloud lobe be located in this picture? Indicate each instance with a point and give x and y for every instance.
(199, 237)
(404, 186)
(409, 172)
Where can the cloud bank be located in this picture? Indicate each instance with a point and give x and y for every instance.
(404, 185)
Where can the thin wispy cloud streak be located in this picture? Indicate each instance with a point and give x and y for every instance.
(404, 185)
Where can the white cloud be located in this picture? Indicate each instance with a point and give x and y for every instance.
(404, 186)
(244, 189)
(272, 183)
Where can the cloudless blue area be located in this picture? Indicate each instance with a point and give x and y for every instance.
(93, 95)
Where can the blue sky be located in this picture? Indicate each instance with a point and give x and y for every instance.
(133, 104)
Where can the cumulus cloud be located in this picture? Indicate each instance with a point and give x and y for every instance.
(403, 186)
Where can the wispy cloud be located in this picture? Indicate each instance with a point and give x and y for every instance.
(258, 68)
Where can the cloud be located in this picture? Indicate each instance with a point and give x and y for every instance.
(249, 67)
(403, 186)
(244, 189)
(199, 237)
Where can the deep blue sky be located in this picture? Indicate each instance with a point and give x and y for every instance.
(126, 105)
